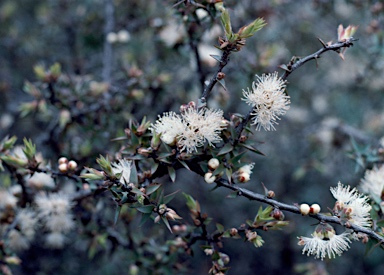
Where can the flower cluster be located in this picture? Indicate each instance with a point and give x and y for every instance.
(54, 210)
(268, 100)
(351, 206)
(191, 129)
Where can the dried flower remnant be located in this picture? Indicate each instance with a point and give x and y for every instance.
(351, 206)
(268, 100)
(373, 183)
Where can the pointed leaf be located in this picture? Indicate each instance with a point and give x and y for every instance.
(117, 213)
(146, 209)
(164, 219)
(133, 178)
(226, 149)
(216, 57)
(184, 164)
(172, 173)
(152, 188)
(170, 197)
(144, 218)
(251, 148)
(222, 83)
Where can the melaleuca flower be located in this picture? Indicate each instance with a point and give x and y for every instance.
(54, 211)
(321, 247)
(351, 206)
(200, 126)
(268, 100)
(191, 129)
(169, 126)
(373, 183)
(123, 167)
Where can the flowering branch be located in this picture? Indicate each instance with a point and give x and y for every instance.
(295, 64)
(292, 65)
(294, 209)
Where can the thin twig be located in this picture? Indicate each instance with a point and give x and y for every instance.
(294, 209)
(223, 62)
(333, 47)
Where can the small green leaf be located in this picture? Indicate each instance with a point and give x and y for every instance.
(117, 213)
(172, 173)
(216, 57)
(133, 177)
(152, 188)
(251, 148)
(147, 209)
(164, 219)
(184, 164)
(226, 149)
(222, 83)
(170, 197)
(219, 227)
(144, 218)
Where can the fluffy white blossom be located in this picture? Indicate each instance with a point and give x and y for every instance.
(123, 167)
(7, 200)
(321, 248)
(351, 205)
(373, 182)
(191, 129)
(55, 212)
(170, 125)
(55, 240)
(268, 100)
(40, 181)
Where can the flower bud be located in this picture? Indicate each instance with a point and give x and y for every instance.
(304, 209)
(233, 231)
(63, 168)
(220, 75)
(315, 208)
(63, 160)
(209, 178)
(244, 177)
(277, 214)
(213, 163)
(72, 165)
(270, 194)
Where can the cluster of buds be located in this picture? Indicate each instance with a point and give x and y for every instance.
(244, 173)
(166, 212)
(254, 238)
(305, 209)
(65, 165)
(213, 164)
(179, 229)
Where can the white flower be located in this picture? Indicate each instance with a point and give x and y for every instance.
(16, 241)
(373, 182)
(41, 180)
(169, 126)
(351, 205)
(7, 200)
(200, 126)
(54, 210)
(191, 129)
(320, 248)
(268, 99)
(27, 221)
(55, 240)
(123, 167)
